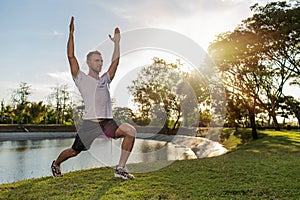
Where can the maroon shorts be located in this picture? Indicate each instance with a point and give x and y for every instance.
(90, 130)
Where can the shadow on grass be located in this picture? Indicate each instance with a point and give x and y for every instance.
(235, 138)
(267, 139)
(244, 135)
(279, 142)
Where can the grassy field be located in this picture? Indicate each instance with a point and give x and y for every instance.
(267, 168)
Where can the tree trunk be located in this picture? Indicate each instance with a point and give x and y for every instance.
(253, 126)
(165, 129)
(297, 114)
(236, 126)
(176, 122)
(269, 121)
(298, 118)
(276, 125)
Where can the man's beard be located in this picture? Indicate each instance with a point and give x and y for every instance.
(96, 70)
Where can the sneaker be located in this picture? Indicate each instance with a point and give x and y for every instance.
(121, 172)
(55, 170)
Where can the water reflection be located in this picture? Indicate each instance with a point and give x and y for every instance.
(32, 158)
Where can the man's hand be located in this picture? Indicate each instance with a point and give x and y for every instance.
(116, 37)
(72, 25)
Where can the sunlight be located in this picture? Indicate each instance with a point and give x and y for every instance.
(130, 66)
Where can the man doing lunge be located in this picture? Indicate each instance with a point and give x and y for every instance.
(98, 118)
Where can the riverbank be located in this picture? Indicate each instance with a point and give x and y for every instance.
(31, 132)
(8, 128)
(5, 128)
(18, 136)
(196, 147)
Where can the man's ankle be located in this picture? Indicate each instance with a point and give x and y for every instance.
(58, 165)
(119, 166)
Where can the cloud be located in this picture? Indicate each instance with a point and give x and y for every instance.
(59, 77)
(201, 20)
(56, 33)
(157, 11)
(53, 33)
(42, 84)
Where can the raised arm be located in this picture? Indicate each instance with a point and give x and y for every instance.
(70, 49)
(116, 54)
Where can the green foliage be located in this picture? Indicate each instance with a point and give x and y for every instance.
(60, 99)
(57, 111)
(236, 112)
(259, 57)
(163, 92)
(37, 112)
(123, 114)
(289, 106)
(20, 101)
(157, 85)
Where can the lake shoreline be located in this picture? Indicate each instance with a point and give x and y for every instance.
(5, 128)
(38, 132)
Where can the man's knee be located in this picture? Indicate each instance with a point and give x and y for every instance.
(128, 129)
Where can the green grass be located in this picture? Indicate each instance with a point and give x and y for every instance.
(267, 168)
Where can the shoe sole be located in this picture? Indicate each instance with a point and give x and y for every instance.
(120, 176)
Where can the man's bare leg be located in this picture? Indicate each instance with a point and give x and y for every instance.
(128, 133)
(65, 155)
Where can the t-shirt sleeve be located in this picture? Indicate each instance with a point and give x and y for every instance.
(78, 78)
(106, 77)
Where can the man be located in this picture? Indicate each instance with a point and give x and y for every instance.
(98, 118)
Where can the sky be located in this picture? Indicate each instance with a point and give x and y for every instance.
(34, 34)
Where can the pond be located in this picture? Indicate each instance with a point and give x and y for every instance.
(27, 159)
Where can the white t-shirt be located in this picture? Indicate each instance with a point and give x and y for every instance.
(95, 94)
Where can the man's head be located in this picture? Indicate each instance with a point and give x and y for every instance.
(94, 61)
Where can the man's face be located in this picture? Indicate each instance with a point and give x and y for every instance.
(95, 62)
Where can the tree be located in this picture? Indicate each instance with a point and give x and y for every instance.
(168, 96)
(197, 99)
(61, 101)
(37, 112)
(236, 112)
(277, 25)
(290, 106)
(157, 85)
(2, 112)
(20, 101)
(259, 57)
(123, 114)
(229, 52)
(277, 29)
(50, 117)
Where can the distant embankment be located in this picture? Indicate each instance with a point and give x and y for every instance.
(24, 132)
(37, 128)
(72, 128)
